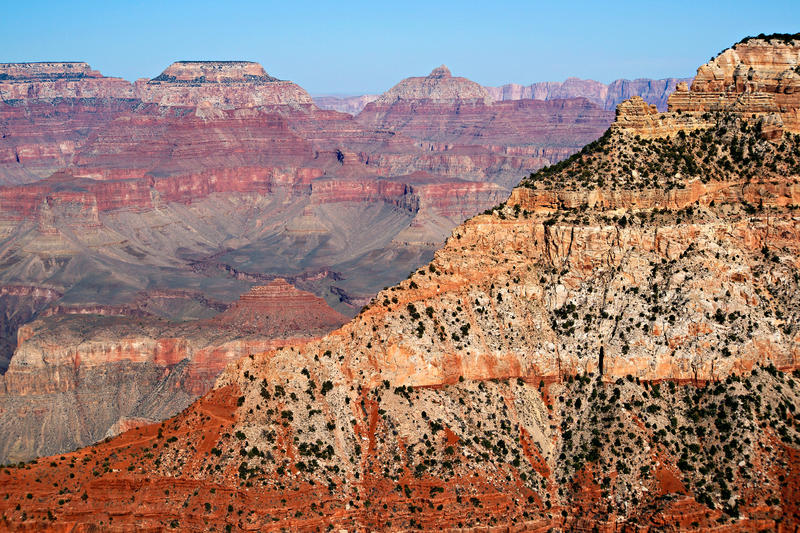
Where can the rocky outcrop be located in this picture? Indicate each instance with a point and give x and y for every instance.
(655, 92)
(638, 116)
(758, 76)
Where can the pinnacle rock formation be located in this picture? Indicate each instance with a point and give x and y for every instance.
(438, 86)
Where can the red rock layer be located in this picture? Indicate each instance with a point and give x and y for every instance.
(38, 137)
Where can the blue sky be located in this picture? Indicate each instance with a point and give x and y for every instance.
(359, 47)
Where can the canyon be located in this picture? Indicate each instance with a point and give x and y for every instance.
(614, 348)
(150, 207)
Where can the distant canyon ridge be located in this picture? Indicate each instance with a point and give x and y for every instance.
(152, 232)
(607, 96)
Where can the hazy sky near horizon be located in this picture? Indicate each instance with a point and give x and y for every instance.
(366, 47)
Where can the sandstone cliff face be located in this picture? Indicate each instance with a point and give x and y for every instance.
(758, 75)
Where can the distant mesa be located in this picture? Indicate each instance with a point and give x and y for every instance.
(47, 70)
(215, 72)
(59, 79)
(222, 84)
